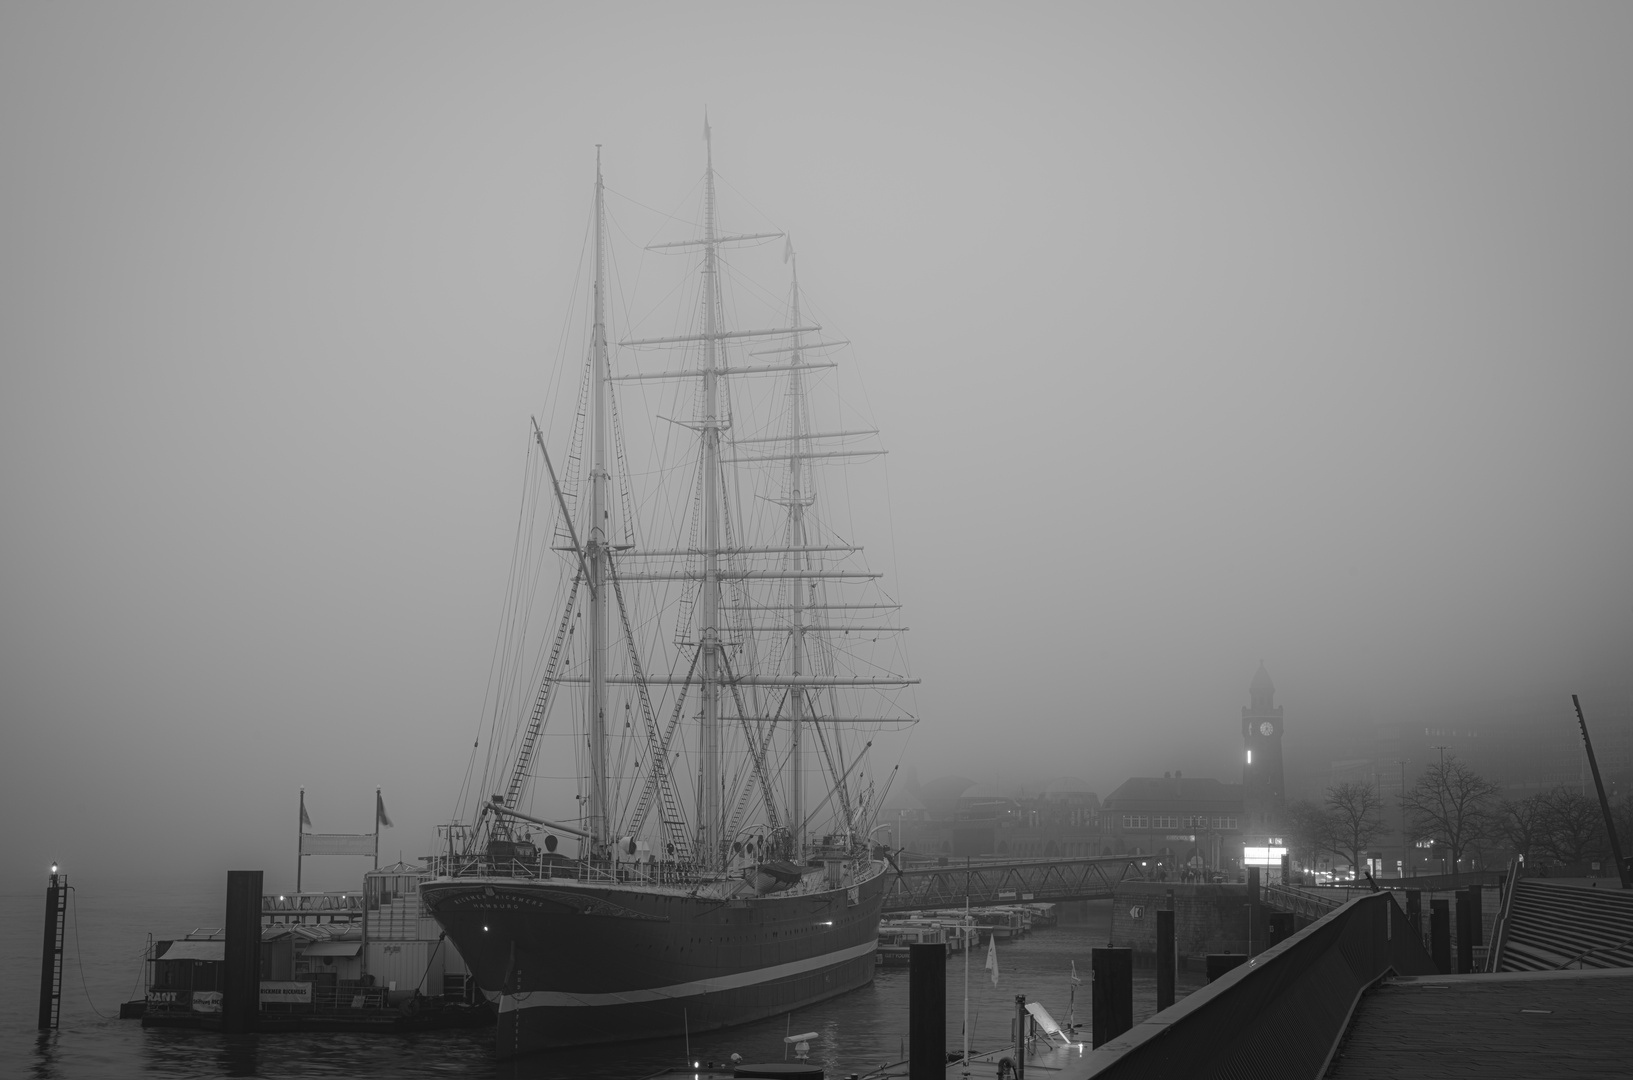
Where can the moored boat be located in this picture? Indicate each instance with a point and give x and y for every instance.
(704, 592)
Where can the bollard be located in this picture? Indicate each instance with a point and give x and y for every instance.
(1165, 959)
(1465, 932)
(1112, 984)
(1286, 869)
(1440, 934)
(241, 977)
(927, 1012)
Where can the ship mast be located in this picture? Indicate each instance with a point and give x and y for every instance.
(597, 543)
(797, 561)
(711, 844)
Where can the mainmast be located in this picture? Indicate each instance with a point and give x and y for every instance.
(711, 818)
(797, 561)
(597, 540)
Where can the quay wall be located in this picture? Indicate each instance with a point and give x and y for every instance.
(1207, 918)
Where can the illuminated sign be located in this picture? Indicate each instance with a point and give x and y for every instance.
(1262, 856)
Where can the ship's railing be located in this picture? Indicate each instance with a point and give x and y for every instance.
(655, 872)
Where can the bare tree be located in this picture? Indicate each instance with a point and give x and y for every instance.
(1524, 824)
(1575, 826)
(1453, 804)
(1357, 819)
(1309, 831)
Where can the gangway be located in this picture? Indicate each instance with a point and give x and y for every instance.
(988, 882)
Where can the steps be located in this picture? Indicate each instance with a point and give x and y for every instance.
(1553, 926)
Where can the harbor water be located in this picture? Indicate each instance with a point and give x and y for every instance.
(107, 934)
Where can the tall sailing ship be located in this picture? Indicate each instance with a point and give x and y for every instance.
(716, 669)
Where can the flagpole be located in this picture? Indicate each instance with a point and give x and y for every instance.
(300, 831)
(378, 806)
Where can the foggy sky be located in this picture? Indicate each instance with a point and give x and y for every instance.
(1198, 335)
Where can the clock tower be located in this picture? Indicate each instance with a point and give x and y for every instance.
(1262, 791)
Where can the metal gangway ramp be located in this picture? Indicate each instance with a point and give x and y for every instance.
(987, 882)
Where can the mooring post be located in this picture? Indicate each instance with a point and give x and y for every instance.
(927, 1012)
(1165, 959)
(1021, 1018)
(1465, 931)
(56, 912)
(1440, 934)
(241, 979)
(1112, 986)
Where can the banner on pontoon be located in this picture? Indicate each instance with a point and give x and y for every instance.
(337, 843)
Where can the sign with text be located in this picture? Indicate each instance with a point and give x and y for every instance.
(285, 991)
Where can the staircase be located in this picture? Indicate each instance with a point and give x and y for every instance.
(1547, 927)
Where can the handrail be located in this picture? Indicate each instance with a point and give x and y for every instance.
(1282, 1013)
(1499, 932)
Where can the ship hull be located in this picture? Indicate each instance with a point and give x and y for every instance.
(573, 964)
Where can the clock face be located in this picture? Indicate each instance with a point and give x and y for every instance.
(1267, 728)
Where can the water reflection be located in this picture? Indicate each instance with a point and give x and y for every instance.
(238, 1055)
(45, 1056)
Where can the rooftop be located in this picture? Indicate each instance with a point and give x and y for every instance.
(1545, 1024)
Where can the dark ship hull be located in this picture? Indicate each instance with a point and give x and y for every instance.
(576, 963)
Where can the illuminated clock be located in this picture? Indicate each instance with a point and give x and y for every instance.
(1267, 728)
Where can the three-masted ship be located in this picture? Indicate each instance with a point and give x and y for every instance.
(716, 666)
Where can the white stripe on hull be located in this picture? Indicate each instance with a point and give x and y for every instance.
(534, 999)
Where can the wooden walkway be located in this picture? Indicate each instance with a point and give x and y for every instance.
(1548, 1025)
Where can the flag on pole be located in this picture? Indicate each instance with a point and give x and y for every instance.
(1075, 980)
(992, 957)
(306, 819)
(787, 248)
(380, 815)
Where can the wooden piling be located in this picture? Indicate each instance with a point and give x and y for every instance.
(1165, 959)
(241, 981)
(56, 907)
(1465, 931)
(1113, 992)
(927, 1012)
(1440, 934)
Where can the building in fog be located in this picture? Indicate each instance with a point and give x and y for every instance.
(1185, 822)
(1203, 824)
(957, 817)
